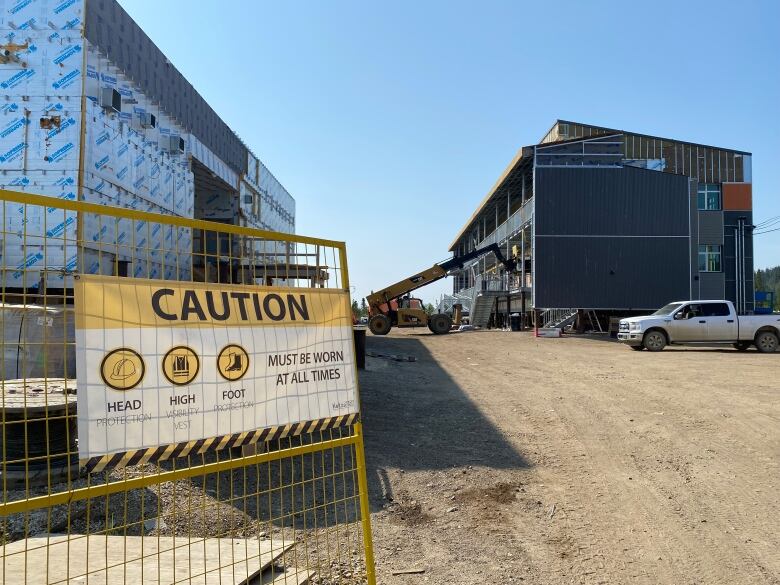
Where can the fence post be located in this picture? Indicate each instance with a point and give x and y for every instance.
(365, 511)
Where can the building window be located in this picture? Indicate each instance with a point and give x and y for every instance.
(709, 258)
(709, 197)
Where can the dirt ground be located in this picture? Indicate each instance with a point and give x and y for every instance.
(500, 458)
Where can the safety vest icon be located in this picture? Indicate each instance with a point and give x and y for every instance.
(181, 366)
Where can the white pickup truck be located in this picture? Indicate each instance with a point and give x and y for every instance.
(704, 322)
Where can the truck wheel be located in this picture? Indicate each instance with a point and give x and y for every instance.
(439, 323)
(742, 345)
(380, 324)
(654, 341)
(766, 342)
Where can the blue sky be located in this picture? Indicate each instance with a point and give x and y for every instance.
(388, 122)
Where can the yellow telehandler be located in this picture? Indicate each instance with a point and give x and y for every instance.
(394, 307)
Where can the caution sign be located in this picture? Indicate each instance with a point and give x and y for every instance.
(177, 364)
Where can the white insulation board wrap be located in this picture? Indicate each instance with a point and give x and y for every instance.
(127, 159)
(41, 14)
(48, 67)
(278, 206)
(252, 168)
(40, 142)
(40, 121)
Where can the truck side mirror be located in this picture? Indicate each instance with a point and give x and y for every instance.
(679, 316)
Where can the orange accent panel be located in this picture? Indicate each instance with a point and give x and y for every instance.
(738, 196)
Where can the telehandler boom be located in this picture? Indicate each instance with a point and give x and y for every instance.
(392, 306)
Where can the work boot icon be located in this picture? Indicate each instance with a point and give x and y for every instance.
(235, 365)
(233, 362)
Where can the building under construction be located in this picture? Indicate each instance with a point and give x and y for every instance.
(94, 111)
(610, 221)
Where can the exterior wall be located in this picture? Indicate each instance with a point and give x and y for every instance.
(53, 72)
(123, 42)
(707, 164)
(124, 166)
(737, 196)
(278, 205)
(712, 285)
(730, 271)
(40, 133)
(693, 188)
(710, 227)
(613, 238)
(209, 139)
(568, 130)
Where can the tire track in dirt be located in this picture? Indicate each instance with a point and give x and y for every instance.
(634, 472)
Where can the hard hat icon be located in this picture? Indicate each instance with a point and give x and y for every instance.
(123, 369)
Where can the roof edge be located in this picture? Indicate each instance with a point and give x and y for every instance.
(743, 152)
(517, 158)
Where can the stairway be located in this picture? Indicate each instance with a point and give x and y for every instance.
(482, 307)
(559, 318)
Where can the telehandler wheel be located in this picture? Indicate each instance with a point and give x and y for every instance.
(439, 323)
(380, 324)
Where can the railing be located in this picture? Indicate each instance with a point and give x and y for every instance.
(483, 284)
(551, 317)
(511, 226)
(448, 301)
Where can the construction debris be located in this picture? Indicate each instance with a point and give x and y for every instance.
(397, 358)
(408, 572)
(134, 559)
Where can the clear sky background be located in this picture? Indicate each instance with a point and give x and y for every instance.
(389, 122)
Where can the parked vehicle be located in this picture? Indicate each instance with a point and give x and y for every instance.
(703, 322)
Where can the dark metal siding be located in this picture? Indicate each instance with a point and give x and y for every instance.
(729, 256)
(611, 238)
(694, 249)
(611, 273)
(111, 29)
(711, 286)
(710, 227)
(618, 201)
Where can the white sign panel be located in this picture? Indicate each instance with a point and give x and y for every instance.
(161, 363)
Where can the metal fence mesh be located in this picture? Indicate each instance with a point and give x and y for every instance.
(290, 508)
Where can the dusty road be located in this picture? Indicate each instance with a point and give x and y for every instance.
(500, 458)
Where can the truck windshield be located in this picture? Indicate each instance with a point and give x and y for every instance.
(668, 309)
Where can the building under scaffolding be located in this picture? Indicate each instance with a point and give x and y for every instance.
(609, 221)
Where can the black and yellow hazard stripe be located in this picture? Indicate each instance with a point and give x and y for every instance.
(164, 452)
